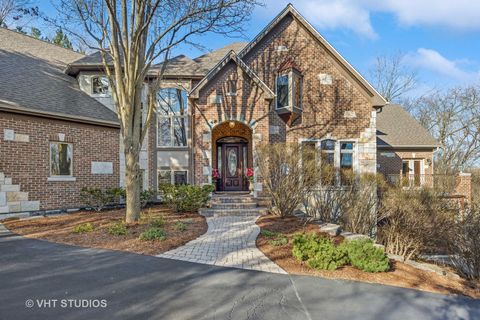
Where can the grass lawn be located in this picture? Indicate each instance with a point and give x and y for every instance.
(177, 229)
(274, 228)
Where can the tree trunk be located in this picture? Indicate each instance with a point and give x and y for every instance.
(132, 185)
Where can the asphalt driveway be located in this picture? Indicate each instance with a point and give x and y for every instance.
(65, 282)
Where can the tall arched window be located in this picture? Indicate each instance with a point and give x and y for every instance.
(100, 85)
(172, 118)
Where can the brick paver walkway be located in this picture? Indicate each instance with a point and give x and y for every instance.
(229, 242)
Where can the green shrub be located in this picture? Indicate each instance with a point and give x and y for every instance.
(268, 233)
(180, 226)
(158, 222)
(185, 198)
(98, 199)
(83, 228)
(279, 240)
(153, 234)
(321, 253)
(146, 196)
(365, 256)
(118, 229)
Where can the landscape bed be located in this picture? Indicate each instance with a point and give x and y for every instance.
(94, 229)
(401, 275)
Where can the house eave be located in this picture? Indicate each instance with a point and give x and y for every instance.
(58, 116)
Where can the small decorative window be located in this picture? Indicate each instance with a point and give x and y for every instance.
(172, 118)
(61, 158)
(232, 87)
(100, 85)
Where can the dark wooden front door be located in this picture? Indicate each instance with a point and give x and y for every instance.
(233, 166)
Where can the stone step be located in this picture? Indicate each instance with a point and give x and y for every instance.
(331, 229)
(243, 205)
(209, 212)
(232, 200)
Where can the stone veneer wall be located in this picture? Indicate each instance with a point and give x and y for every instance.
(25, 159)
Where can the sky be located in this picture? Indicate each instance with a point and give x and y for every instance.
(440, 39)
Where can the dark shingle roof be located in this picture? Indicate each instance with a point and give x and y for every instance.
(32, 80)
(397, 128)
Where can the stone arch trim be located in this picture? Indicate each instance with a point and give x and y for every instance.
(240, 129)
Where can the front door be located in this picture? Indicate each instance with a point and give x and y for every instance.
(233, 166)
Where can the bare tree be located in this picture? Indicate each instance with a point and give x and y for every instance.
(14, 10)
(453, 118)
(392, 78)
(130, 36)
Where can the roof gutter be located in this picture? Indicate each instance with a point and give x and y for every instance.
(59, 116)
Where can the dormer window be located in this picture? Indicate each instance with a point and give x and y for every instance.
(100, 85)
(289, 90)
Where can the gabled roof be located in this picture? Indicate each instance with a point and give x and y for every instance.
(396, 128)
(32, 81)
(377, 99)
(231, 56)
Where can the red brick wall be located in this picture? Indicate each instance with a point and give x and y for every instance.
(27, 163)
(247, 106)
(393, 165)
(323, 105)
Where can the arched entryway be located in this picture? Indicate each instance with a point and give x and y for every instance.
(232, 155)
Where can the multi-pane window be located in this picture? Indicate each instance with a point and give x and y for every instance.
(61, 158)
(100, 85)
(175, 177)
(346, 162)
(289, 90)
(172, 117)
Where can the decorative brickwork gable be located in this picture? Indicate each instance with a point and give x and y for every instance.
(28, 163)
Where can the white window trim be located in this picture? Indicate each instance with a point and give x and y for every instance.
(52, 178)
(411, 170)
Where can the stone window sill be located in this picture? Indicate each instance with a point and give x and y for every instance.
(64, 179)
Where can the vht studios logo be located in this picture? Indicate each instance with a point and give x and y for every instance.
(66, 303)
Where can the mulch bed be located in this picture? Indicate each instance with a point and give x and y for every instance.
(401, 275)
(60, 229)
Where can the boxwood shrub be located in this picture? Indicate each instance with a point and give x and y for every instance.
(185, 198)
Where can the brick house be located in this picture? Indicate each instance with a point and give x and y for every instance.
(286, 85)
(54, 139)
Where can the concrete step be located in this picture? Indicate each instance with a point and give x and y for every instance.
(243, 205)
(210, 212)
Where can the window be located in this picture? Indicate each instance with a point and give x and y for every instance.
(282, 91)
(176, 177)
(100, 85)
(346, 162)
(327, 151)
(180, 177)
(172, 118)
(61, 155)
(413, 172)
(232, 87)
(164, 177)
(289, 90)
